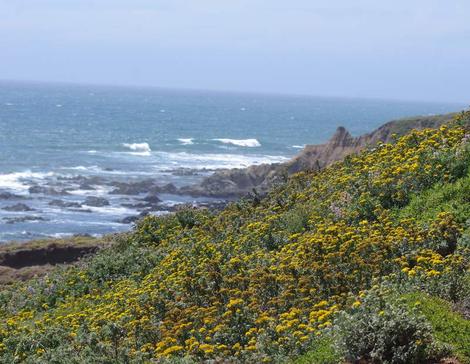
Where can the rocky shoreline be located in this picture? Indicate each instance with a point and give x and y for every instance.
(24, 260)
(235, 183)
(214, 190)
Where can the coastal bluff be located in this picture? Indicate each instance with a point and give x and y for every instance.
(233, 183)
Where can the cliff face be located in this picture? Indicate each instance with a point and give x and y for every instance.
(239, 182)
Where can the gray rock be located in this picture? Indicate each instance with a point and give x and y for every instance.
(96, 201)
(14, 220)
(46, 190)
(65, 204)
(129, 219)
(152, 199)
(9, 196)
(18, 207)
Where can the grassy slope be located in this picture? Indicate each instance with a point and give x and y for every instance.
(449, 326)
(258, 282)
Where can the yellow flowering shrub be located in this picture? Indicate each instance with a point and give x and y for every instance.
(253, 282)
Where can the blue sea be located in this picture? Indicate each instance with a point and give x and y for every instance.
(61, 144)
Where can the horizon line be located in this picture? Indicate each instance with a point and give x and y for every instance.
(463, 104)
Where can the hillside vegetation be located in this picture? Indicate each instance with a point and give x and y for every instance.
(365, 260)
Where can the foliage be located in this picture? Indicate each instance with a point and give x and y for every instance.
(383, 330)
(259, 281)
(448, 326)
(322, 352)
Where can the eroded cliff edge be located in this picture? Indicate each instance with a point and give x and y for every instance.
(232, 183)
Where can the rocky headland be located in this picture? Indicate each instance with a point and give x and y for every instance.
(233, 183)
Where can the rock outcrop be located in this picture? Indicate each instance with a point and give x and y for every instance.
(233, 183)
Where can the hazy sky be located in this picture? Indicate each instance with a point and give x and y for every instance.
(402, 49)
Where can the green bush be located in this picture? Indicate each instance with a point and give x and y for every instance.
(296, 220)
(385, 330)
(322, 352)
(448, 327)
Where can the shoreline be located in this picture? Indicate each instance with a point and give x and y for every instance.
(42, 255)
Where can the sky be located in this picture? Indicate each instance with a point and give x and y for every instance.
(400, 49)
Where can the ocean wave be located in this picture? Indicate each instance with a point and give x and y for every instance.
(211, 161)
(111, 210)
(97, 170)
(298, 146)
(98, 191)
(250, 143)
(186, 141)
(82, 168)
(142, 149)
(18, 180)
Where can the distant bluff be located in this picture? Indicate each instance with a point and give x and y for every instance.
(232, 183)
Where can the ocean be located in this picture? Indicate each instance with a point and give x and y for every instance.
(66, 149)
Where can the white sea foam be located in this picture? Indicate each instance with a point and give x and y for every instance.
(81, 168)
(251, 143)
(142, 149)
(17, 180)
(170, 161)
(111, 210)
(186, 141)
(298, 146)
(98, 191)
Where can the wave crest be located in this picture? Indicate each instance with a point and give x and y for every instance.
(186, 141)
(250, 143)
(138, 148)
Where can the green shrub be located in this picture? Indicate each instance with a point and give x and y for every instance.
(151, 230)
(296, 220)
(443, 197)
(385, 330)
(322, 352)
(448, 327)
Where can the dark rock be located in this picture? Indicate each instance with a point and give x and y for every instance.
(189, 172)
(46, 190)
(65, 204)
(145, 186)
(86, 187)
(152, 199)
(14, 220)
(132, 188)
(96, 201)
(18, 207)
(9, 196)
(81, 210)
(129, 219)
(169, 188)
(136, 206)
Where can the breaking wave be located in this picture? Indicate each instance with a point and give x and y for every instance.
(138, 148)
(250, 143)
(186, 141)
